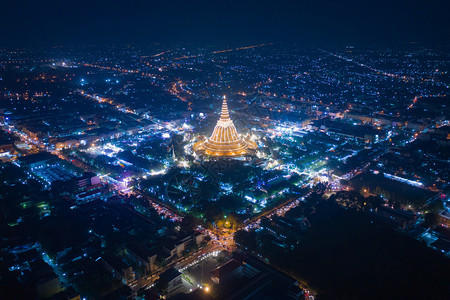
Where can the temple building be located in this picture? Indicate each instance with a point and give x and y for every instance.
(225, 141)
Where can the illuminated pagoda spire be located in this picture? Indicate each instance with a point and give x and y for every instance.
(225, 140)
(224, 115)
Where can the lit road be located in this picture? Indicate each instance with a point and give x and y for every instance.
(161, 208)
(278, 210)
(197, 256)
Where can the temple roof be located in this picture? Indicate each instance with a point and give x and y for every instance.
(224, 140)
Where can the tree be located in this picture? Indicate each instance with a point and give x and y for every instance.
(219, 223)
(162, 286)
(189, 223)
(233, 221)
(431, 219)
(230, 203)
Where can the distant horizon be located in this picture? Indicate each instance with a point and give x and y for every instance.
(224, 45)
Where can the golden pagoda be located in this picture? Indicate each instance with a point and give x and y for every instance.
(225, 141)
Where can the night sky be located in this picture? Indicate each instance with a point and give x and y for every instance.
(42, 23)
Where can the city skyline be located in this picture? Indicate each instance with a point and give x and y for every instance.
(224, 150)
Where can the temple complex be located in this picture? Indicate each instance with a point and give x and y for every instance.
(225, 141)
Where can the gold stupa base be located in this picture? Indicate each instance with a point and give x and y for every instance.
(238, 149)
(225, 141)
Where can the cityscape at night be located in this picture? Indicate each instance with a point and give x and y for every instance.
(232, 150)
